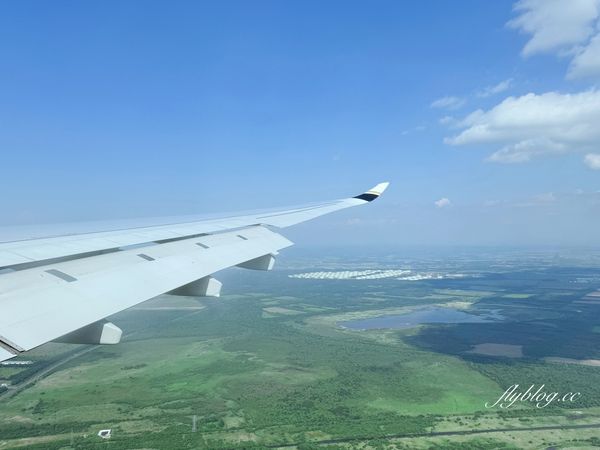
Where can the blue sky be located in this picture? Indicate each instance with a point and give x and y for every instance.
(132, 109)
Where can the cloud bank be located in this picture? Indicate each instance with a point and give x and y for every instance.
(527, 127)
(567, 28)
(534, 125)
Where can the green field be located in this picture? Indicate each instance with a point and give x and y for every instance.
(255, 374)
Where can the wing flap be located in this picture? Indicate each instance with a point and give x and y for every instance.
(5, 354)
(43, 303)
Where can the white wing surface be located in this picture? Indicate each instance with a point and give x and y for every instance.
(62, 287)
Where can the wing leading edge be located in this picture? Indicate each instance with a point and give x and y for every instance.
(59, 285)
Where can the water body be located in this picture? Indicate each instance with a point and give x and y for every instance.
(422, 316)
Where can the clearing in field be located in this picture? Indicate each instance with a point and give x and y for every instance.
(492, 349)
(279, 310)
(583, 362)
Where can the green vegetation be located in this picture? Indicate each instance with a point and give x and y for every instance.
(254, 380)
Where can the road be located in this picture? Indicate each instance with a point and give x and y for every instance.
(16, 388)
(443, 433)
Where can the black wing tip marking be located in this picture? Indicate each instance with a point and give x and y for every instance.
(373, 193)
(367, 197)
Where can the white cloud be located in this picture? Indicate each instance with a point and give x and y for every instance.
(533, 125)
(447, 120)
(555, 25)
(448, 102)
(567, 28)
(496, 89)
(492, 203)
(442, 203)
(547, 197)
(526, 150)
(592, 160)
(586, 62)
(546, 200)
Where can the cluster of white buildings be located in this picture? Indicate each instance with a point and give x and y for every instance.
(351, 274)
(399, 274)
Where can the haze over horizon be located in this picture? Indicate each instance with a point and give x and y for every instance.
(482, 115)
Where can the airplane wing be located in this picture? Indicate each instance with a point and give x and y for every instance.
(61, 288)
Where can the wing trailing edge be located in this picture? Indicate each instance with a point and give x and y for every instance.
(65, 286)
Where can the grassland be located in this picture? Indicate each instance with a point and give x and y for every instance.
(257, 375)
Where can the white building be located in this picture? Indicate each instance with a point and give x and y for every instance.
(105, 434)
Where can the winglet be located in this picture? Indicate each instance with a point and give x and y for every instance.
(373, 193)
